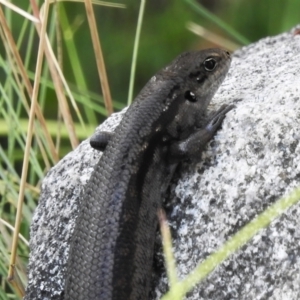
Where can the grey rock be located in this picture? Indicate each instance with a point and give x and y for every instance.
(252, 162)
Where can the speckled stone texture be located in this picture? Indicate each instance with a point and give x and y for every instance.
(252, 162)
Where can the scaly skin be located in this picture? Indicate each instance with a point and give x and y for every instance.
(111, 252)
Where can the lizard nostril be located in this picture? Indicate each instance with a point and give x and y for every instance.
(228, 53)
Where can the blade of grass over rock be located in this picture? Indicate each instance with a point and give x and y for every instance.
(167, 248)
(135, 51)
(245, 234)
(205, 13)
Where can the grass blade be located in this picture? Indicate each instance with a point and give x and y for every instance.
(12, 275)
(135, 51)
(213, 18)
(232, 245)
(99, 56)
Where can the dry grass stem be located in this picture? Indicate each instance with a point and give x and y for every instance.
(167, 247)
(17, 283)
(99, 56)
(26, 105)
(12, 275)
(13, 230)
(20, 11)
(102, 3)
(59, 51)
(63, 103)
(212, 37)
(26, 82)
(63, 83)
(57, 81)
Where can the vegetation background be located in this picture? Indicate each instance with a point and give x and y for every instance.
(168, 29)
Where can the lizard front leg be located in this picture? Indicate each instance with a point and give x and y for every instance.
(191, 147)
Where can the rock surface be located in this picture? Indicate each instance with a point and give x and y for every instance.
(252, 162)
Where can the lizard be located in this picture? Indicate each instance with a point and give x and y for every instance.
(111, 250)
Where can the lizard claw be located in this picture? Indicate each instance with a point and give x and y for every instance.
(218, 117)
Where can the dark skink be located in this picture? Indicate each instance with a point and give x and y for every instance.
(111, 251)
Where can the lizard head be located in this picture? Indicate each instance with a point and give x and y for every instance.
(200, 74)
(175, 99)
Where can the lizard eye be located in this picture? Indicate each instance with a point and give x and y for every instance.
(209, 64)
(190, 96)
